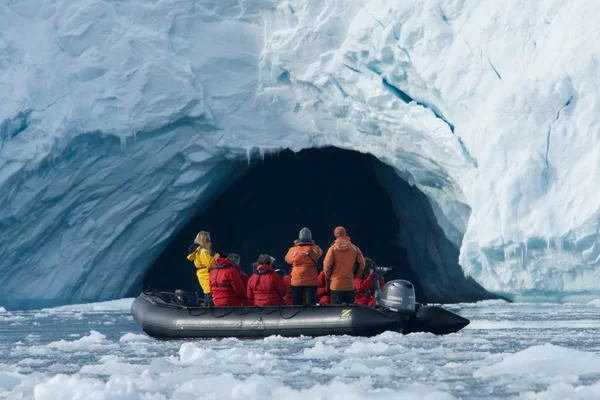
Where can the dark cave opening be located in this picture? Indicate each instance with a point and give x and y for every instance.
(263, 211)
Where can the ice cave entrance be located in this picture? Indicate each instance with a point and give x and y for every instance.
(263, 210)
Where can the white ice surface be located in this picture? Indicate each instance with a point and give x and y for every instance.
(548, 360)
(113, 305)
(118, 118)
(71, 355)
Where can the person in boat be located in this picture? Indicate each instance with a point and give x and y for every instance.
(303, 258)
(285, 277)
(226, 284)
(364, 285)
(323, 292)
(201, 254)
(287, 281)
(265, 287)
(235, 259)
(339, 267)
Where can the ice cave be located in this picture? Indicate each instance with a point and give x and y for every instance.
(263, 210)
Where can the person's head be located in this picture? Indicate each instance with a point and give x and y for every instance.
(340, 231)
(264, 259)
(369, 265)
(305, 235)
(234, 258)
(203, 239)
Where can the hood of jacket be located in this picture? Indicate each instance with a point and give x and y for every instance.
(264, 269)
(343, 244)
(306, 243)
(221, 262)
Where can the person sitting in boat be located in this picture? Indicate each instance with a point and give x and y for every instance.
(339, 267)
(364, 285)
(226, 284)
(287, 281)
(303, 257)
(323, 289)
(266, 288)
(235, 259)
(201, 254)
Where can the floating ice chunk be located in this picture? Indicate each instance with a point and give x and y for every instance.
(94, 338)
(188, 353)
(562, 390)
(548, 360)
(367, 348)
(112, 367)
(67, 387)
(320, 351)
(387, 335)
(9, 380)
(595, 303)
(133, 337)
(2, 310)
(226, 386)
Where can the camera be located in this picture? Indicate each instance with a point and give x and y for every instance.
(382, 270)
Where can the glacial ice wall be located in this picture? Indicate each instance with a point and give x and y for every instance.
(119, 119)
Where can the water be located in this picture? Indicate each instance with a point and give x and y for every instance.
(525, 351)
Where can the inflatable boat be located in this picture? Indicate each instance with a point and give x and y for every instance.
(164, 315)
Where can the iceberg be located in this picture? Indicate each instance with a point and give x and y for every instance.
(121, 121)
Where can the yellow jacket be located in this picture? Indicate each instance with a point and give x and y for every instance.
(204, 264)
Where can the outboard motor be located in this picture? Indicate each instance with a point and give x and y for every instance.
(398, 296)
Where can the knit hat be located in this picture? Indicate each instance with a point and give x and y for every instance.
(234, 258)
(264, 259)
(339, 232)
(305, 235)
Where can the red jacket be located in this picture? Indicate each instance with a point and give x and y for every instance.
(226, 285)
(323, 292)
(266, 287)
(287, 281)
(364, 290)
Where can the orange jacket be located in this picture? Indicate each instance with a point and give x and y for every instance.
(303, 258)
(339, 264)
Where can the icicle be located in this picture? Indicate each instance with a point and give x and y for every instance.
(123, 142)
(522, 260)
(249, 154)
(261, 151)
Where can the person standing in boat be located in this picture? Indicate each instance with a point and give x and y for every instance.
(339, 267)
(226, 284)
(364, 285)
(265, 287)
(323, 292)
(303, 258)
(201, 254)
